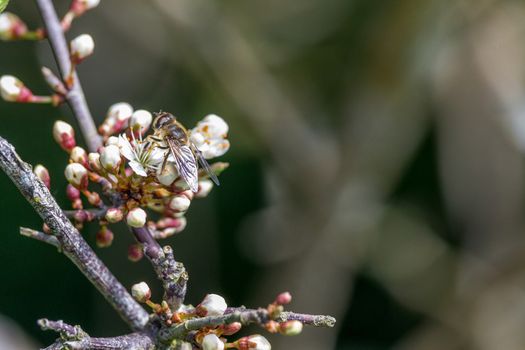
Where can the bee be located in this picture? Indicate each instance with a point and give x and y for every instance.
(168, 131)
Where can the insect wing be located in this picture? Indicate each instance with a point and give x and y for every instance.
(205, 165)
(185, 163)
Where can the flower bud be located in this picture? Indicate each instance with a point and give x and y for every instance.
(212, 342)
(81, 47)
(141, 292)
(205, 187)
(116, 118)
(291, 327)
(76, 175)
(168, 175)
(212, 305)
(13, 90)
(94, 161)
(89, 4)
(72, 193)
(140, 121)
(135, 252)
(42, 173)
(112, 140)
(110, 157)
(136, 217)
(93, 198)
(79, 155)
(283, 298)
(114, 215)
(231, 328)
(104, 237)
(46, 229)
(179, 203)
(11, 26)
(64, 135)
(254, 342)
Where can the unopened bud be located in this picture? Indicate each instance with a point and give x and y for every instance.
(76, 175)
(93, 198)
(179, 203)
(89, 4)
(64, 135)
(104, 237)
(79, 155)
(72, 193)
(114, 215)
(13, 90)
(110, 157)
(254, 342)
(94, 161)
(205, 187)
(140, 121)
(11, 26)
(291, 327)
(135, 252)
(231, 328)
(167, 175)
(112, 140)
(46, 229)
(212, 342)
(42, 173)
(116, 119)
(141, 292)
(136, 217)
(81, 47)
(283, 298)
(212, 305)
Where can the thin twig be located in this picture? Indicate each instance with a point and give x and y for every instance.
(40, 236)
(75, 96)
(73, 244)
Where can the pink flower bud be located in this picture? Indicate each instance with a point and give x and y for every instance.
(110, 157)
(81, 47)
(141, 292)
(205, 187)
(72, 193)
(76, 175)
(93, 198)
(291, 327)
(79, 155)
(136, 217)
(283, 298)
(140, 121)
(232, 328)
(13, 90)
(11, 26)
(179, 203)
(64, 135)
(212, 305)
(42, 173)
(135, 252)
(212, 342)
(114, 215)
(104, 237)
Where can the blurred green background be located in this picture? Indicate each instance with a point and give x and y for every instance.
(376, 165)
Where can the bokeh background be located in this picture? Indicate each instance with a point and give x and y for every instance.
(376, 165)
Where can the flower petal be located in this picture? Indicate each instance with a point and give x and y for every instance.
(137, 168)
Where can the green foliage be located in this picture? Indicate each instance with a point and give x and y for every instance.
(3, 5)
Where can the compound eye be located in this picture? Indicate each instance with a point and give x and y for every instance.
(162, 120)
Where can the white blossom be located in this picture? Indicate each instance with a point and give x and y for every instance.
(209, 136)
(10, 88)
(140, 121)
(110, 157)
(141, 155)
(82, 46)
(212, 305)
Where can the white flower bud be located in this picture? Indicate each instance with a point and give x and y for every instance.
(76, 175)
(43, 174)
(114, 215)
(179, 203)
(167, 176)
(110, 157)
(212, 305)
(94, 161)
(89, 4)
(212, 342)
(11, 88)
(291, 327)
(217, 124)
(82, 46)
(112, 140)
(64, 135)
(11, 26)
(140, 121)
(136, 217)
(78, 155)
(120, 111)
(141, 292)
(205, 186)
(260, 342)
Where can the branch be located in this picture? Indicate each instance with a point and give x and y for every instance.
(40, 236)
(75, 96)
(245, 317)
(171, 273)
(73, 337)
(73, 244)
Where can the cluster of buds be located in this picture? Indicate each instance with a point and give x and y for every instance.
(135, 175)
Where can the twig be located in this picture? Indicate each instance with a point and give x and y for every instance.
(75, 96)
(73, 244)
(171, 273)
(40, 236)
